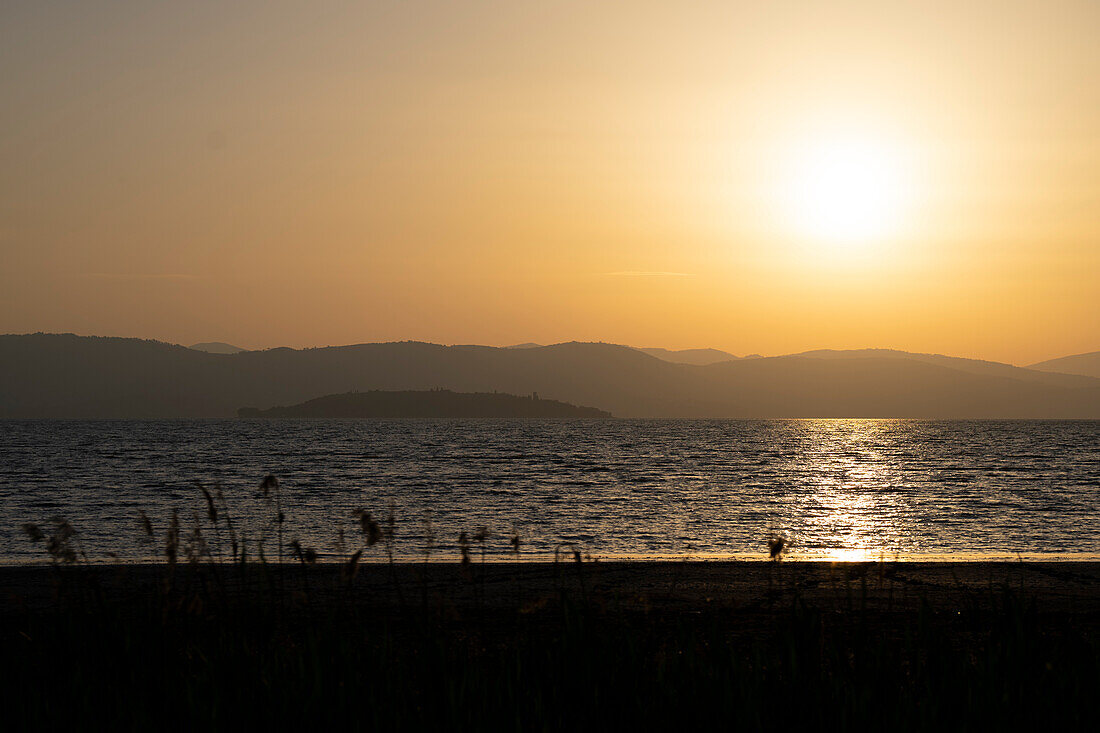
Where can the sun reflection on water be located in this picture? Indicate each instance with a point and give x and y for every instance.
(849, 503)
(851, 555)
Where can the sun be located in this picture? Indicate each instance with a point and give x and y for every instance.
(845, 191)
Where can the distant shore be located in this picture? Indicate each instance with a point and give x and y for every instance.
(64, 375)
(436, 403)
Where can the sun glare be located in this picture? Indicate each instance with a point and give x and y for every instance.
(847, 192)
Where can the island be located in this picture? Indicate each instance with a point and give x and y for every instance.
(436, 403)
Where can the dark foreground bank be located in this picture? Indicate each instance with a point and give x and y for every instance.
(581, 645)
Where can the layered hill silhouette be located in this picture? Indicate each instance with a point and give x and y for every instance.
(426, 403)
(217, 347)
(972, 366)
(699, 357)
(52, 375)
(1086, 364)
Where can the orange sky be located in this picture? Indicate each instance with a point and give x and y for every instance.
(495, 172)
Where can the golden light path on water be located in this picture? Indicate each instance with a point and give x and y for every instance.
(855, 503)
(851, 508)
(857, 507)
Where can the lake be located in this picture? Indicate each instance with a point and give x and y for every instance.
(844, 489)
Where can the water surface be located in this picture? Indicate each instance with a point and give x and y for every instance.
(836, 488)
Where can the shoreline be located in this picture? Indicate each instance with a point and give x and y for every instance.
(839, 557)
(1064, 587)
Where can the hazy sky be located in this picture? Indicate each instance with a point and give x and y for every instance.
(758, 177)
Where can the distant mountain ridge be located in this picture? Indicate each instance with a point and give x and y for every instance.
(436, 403)
(972, 366)
(699, 357)
(62, 375)
(1084, 364)
(217, 347)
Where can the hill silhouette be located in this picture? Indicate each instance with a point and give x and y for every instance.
(217, 347)
(1084, 364)
(972, 366)
(51, 375)
(699, 357)
(426, 403)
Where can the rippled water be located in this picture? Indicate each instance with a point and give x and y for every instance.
(837, 488)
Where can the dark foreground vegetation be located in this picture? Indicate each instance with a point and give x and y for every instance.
(240, 642)
(532, 648)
